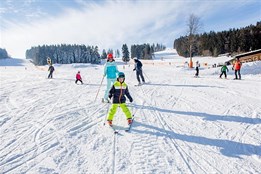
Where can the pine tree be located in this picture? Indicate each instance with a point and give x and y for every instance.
(104, 54)
(3, 54)
(125, 53)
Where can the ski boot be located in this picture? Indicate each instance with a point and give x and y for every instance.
(109, 122)
(105, 100)
(129, 121)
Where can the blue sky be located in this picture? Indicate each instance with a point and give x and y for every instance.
(109, 24)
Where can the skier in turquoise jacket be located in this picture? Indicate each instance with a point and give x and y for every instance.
(110, 70)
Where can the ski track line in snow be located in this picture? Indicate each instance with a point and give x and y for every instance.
(39, 127)
(15, 115)
(148, 155)
(174, 143)
(14, 119)
(214, 123)
(73, 131)
(115, 138)
(45, 115)
(142, 145)
(229, 108)
(181, 151)
(84, 124)
(46, 125)
(116, 148)
(13, 106)
(218, 104)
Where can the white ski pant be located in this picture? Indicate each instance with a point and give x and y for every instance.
(110, 82)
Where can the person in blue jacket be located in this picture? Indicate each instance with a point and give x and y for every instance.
(110, 70)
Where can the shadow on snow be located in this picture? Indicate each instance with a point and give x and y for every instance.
(227, 147)
(194, 86)
(206, 116)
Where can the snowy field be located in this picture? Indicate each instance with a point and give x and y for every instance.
(182, 124)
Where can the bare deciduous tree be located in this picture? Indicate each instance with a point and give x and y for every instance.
(194, 27)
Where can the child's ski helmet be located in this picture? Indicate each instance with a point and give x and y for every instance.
(121, 75)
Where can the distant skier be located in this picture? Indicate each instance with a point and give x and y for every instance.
(51, 69)
(117, 93)
(138, 68)
(78, 77)
(237, 66)
(224, 71)
(110, 70)
(49, 61)
(197, 69)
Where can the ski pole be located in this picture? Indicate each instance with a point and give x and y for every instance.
(133, 113)
(146, 76)
(105, 118)
(99, 89)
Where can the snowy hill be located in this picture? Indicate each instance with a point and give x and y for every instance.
(182, 124)
(169, 53)
(14, 62)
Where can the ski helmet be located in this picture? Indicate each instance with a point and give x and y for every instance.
(121, 75)
(110, 56)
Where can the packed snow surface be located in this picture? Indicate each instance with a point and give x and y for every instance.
(182, 124)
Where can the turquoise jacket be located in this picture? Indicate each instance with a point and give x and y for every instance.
(111, 70)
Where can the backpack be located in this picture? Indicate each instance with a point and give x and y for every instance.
(139, 65)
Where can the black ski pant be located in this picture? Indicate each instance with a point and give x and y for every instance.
(197, 71)
(237, 72)
(223, 72)
(50, 75)
(78, 80)
(140, 74)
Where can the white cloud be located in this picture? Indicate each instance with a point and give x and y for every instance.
(107, 25)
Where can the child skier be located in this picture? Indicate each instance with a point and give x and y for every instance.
(224, 70)
(110, 70)
(118, 92)
(78, 77)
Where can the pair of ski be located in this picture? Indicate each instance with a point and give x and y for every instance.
(116, 131)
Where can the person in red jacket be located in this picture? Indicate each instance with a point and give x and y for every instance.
(78, 77)
(237, 67)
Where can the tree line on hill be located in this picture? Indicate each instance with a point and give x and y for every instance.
(142, 51)
(66, 53)
(63, 54)
(145, 51)
(213, 43)
(3, 54)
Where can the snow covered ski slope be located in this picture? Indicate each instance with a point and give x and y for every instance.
(182, 124)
